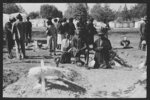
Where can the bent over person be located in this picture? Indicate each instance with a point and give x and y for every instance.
(9, 36)
(102, 46)
(19, 37)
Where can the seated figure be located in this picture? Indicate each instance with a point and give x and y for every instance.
(125, 42)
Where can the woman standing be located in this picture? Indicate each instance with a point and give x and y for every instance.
(51, 33)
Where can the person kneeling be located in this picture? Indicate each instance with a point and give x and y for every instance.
(102, 46)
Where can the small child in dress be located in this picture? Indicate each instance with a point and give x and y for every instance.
(125, 42)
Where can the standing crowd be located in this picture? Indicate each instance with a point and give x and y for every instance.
(18, 33)
(62, 34)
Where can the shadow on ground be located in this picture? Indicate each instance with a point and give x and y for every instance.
(71, 87)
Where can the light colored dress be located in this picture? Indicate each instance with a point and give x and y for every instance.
(65, 44)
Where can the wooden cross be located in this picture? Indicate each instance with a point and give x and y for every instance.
(42, 76)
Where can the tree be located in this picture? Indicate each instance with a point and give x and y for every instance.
(138, 10)
(49, 11)
(102, 13)
(21, 10)
(9, 8)
(125, 14)
(34, 15)
(76, 10)
(69, 12)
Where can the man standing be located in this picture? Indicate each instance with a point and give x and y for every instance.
(91, 31)
(28, 29)
(19, 37)
(51, 33)
(65, 28)
(56, 26)
(9, 36)
(71, 28)
(102, 46)
(143, 31)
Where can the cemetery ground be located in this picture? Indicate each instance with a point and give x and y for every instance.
(119, 82)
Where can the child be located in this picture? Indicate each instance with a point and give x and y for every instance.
(125, 42)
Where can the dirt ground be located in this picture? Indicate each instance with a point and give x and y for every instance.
(119, 82)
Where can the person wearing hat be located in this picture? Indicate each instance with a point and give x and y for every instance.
(9, 36)
(28, 28)
(19, 37)
(101, 47)
(143, 30)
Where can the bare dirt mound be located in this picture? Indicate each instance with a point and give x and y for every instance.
(24, 87)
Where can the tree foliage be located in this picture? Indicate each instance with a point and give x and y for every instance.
(34, 15)
(139, 10)
(76, 10)
(9, 8)
(50, 11)
(125, 14)
(102, 13)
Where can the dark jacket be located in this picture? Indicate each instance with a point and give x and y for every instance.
(8, 28)
(28, 26)
(91, 32)
(65, 28)
(81, 27)
(143, 30)
(19, 30)
(102, 47)
(71, 28)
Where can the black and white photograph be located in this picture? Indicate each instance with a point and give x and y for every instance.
(74, 50)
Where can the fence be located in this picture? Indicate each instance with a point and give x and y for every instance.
(122, 24)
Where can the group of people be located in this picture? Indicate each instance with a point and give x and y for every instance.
(75, 41)
(17, 32)
(71, 40)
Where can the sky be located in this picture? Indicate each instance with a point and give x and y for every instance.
(29, 7)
